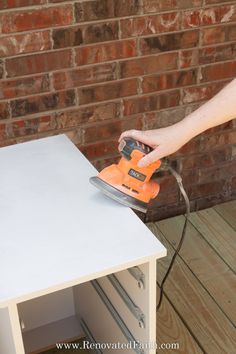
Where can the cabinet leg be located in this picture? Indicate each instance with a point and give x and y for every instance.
(16, 329)
(152, 307)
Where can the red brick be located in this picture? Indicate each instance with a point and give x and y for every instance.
(37, 63)
(217, 53)
(151, 102)
(168, 42)
(148, 65)
(100, 32)
(139, 26)
(35, 104)
(24, 86)
(219, 172)
(209, 16)
(102, 163)
(169, 192)
(188, 58)
(218, 71)
(67, 37)
(24, 43)
(233, 183)
(165, 5)
(92, 33)
(111, 129)
(218, 34)
(219, 128)
(22, 128)
(3, 136)
(165, 211)
(154, 120)
(205, 189)
(190, 177)
(100, 149)
(42, 18)
(8, 4)
(102, 9)
(90, 114)
(106, 51)
(108, 91)
(221, 14)
(169, 99)
(4, 110)
(191, 147)
(126, 8)
(209, 201)
(210, 2)
(169, 80)
(167, 182)
(164, 197)
(1, 69)
(213, 35)
(221, 139)
(201, 93)
(75, 136)
(57, 1)
(191, 18)
(84, 76)
(205, 160)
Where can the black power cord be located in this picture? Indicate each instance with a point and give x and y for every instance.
(178, 178)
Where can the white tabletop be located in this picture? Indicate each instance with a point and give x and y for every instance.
(56, 229)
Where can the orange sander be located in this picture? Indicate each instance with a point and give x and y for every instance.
(127, 183)
(131, 185)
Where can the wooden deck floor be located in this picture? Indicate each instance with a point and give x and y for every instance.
(199, 306)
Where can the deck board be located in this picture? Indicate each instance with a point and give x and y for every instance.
(212, 272)
(203, 317)
(219, 234)
(171, 329)
(202, 285)
(228, 212)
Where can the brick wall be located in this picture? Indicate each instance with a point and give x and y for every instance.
(92, 69)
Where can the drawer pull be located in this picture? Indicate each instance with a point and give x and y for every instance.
(134, 309)
(138, 275)
(89, 335)
(130, 338)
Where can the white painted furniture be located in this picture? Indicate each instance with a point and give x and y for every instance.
(58, 233)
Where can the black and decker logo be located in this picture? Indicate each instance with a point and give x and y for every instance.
(137, 175)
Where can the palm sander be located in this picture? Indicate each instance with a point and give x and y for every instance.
(126, 182)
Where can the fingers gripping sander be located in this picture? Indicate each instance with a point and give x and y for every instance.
(127, 183)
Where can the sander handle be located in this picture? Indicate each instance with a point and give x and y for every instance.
(128, 145)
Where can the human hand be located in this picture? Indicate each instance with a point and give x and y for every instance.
(164, 141)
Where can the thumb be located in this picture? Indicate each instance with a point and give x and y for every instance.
(137, 135)
(149, 158)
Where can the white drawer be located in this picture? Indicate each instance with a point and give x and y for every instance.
(100, 319)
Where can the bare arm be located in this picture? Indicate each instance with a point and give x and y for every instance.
(220, 109)
(165, 141)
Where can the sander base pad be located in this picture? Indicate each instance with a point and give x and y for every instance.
(117, 195)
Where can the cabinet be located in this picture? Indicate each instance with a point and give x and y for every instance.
(72, 262)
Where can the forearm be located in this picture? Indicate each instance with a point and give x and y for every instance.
(220, 109)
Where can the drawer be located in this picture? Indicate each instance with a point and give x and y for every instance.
(126, 312)
(103, 319)
(130, 284)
